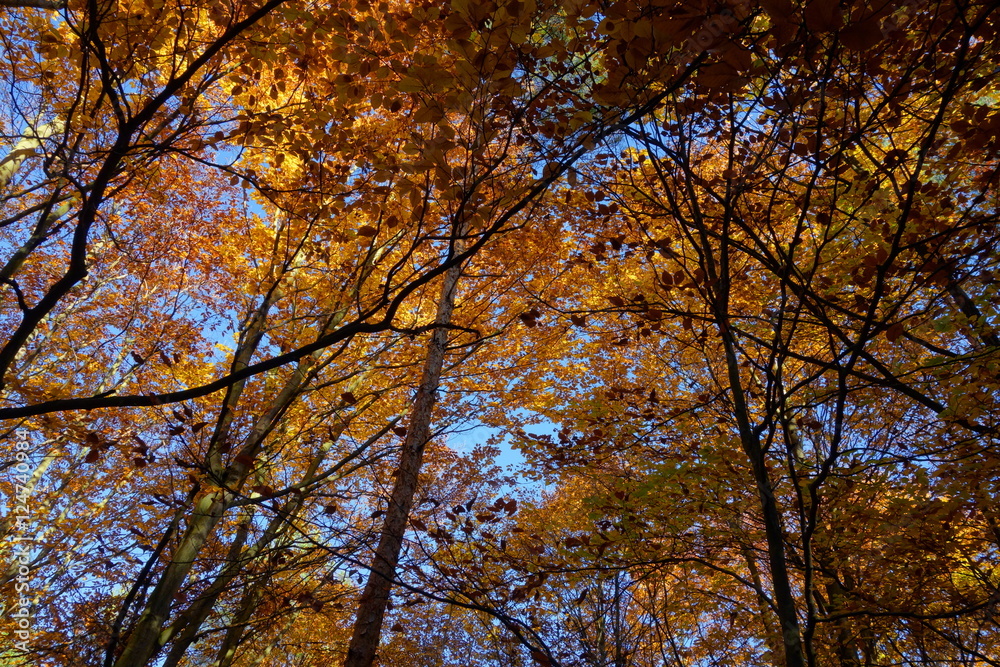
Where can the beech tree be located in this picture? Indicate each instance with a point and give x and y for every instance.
(724, 273)
(779, 278)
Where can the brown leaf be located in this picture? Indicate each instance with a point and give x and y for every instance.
(823, 15)
(893, 333)
(741, 59)
(245, 459)
(779, 10)
(430, 113)
(540, 658)
(717, 75)
(862, 35)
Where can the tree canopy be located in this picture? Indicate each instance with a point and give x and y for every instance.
(283, 282)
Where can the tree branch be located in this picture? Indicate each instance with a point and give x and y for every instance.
(54, 5)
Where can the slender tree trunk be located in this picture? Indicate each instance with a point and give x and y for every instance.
(263, 655)
(375, 598)
(58, 207)
(846, 651)
(253, 593)
(763, 604)
(235, 634)
(149, 635)
(845, 639)
(191, 621)
(784, 602)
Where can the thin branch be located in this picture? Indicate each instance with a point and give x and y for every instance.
(55, 5)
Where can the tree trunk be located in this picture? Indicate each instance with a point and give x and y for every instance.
(375, 598)
(784, 601)
(149, 635)
(783, 598)
(764, 606)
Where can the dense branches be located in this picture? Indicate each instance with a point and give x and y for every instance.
(725, 275)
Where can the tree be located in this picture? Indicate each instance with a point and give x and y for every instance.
(724, 274)
(792, 248)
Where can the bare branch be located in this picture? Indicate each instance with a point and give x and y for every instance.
(54, 5)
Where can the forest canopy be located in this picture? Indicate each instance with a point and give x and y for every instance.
(286, 286)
